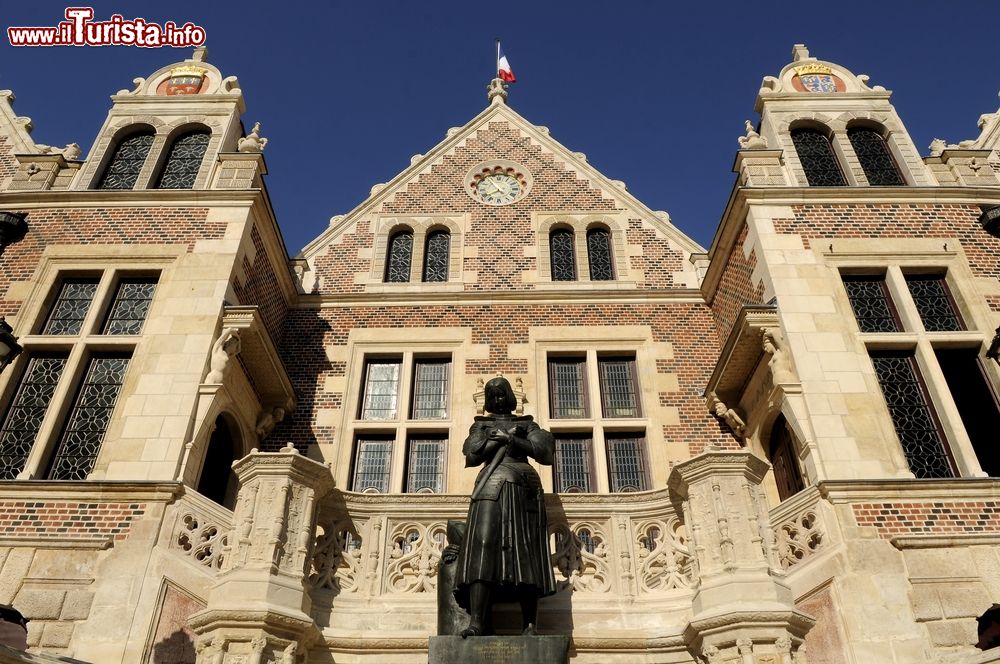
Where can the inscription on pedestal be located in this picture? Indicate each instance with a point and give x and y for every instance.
(499, 650)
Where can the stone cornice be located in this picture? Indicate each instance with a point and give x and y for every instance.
(135, 198)
(945, 541)
(90, 491)
(895, 489)
(260, 356)
(538, 296)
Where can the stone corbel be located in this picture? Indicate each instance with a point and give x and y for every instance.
(733, 418)
(259, 356)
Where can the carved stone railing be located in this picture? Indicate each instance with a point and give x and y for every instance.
(800, 529)
(371, 546)
(200, 530)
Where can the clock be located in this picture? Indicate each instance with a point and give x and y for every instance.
(498, 189)
(498, 182)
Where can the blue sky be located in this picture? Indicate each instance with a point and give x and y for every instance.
(654, 92)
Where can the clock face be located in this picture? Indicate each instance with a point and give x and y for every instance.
(498, 189)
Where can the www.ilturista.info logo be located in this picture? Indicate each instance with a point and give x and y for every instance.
(79, 29)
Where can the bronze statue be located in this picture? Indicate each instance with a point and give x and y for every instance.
(504, 555)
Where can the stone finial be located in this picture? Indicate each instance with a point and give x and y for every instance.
(800, 52)
(497, 91)
(200, 54)
(253, 142)
(937, 146)
(752, 140)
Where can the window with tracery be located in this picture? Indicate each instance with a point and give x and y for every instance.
(398, 257)
(875, 158)
(869, 297)
(127, 161)
(184, 160)
(437, 254)
(934, 304)
(24, 418)
(817, 158)
(562, 254)
(599, 254)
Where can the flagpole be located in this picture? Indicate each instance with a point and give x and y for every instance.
(498, 58)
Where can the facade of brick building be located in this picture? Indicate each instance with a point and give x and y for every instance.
(215, 453)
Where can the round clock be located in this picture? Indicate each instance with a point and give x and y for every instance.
(498, 189)
(498, 182)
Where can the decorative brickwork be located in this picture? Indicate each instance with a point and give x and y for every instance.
(945, 518)
(499, 234)
(688, 327)
(261, 288)
(899, 221)
(736, 288)
(94, 226)
(68, 520)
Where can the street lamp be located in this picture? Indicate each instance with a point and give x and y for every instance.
(993, 352)
(9, 348)
(12, 228)
(990, 219)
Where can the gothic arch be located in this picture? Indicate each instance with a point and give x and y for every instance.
(226, 443)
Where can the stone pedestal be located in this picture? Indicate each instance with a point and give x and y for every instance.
(499, 650)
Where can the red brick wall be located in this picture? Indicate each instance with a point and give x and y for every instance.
(68, 520)
(900, 221)
(261, 288)
(929, 518)
(499, 233)
(121, 226)
(688, 327)
(735, 288)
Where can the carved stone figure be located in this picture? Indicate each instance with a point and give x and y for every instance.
(253, 142)
(781, 370)
(937, 146)
(268, 420)
(227, 345)
(505, 553)
(728, 415)
(753, 140)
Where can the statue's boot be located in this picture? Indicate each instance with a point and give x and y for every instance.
(529, 612)
(479, 604)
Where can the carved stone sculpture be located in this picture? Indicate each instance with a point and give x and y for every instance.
(733, 420)
(227, 345)
(505, 554)
(781, 370)
(269, 419)
(253, 142)
(452, 618)
(753, 140)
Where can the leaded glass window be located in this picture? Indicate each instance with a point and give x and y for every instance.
(816, 156)
(567, 388)
(599, 254)
(371, 464)
(562, 255)
(88, 421)
(912, 414)
(870, 301)
(184, 160)
(437, 254)
(397, 263)
(24, 418)
(425, 469)
(71, 307)
(571, 467)
(430, 388)
(618, 398)
(876, 161)
(127, 161)
(626, 463)
(934, 303)
(130, 307)
(381, 393)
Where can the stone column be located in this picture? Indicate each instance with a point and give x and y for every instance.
(743, 610)
(258, 611)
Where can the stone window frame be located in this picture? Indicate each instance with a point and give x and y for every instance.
(580, 223)
(384, 227)
(908, 161)
(913, 337)
(78, 348)
(164, 132)
(394, 345)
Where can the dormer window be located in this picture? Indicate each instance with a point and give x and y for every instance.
(184, 160)
(816, 156)
(127, 161)
(876, 160)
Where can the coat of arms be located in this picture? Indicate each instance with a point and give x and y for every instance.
(185, 81)
(816, 78)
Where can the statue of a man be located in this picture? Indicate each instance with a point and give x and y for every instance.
(505, 553)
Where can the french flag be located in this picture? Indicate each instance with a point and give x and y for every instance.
(503, 67)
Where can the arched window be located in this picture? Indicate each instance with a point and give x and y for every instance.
(599, 254)
(184, 160)
(783, 460)
(817, 158)
(437, 252)
(873, 153)
(218, 481)
(397, 260)
(562, 255)
(129, 156)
